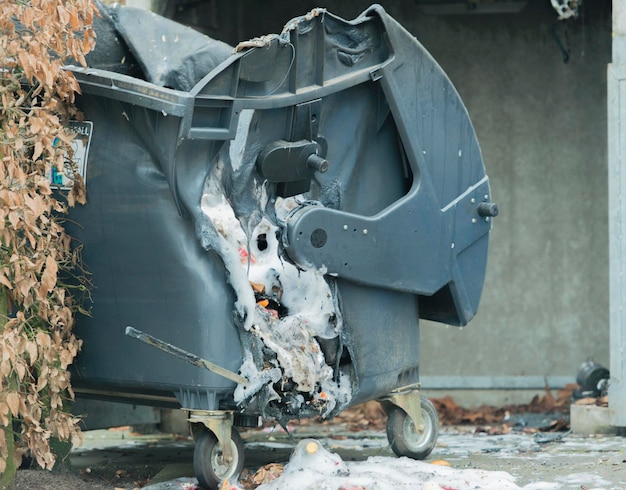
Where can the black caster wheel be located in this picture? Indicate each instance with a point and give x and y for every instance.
(208, 460)
(405, 439)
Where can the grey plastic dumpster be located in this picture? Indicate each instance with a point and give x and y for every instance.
(281, 217)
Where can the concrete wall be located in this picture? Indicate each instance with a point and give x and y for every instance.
(542, 127)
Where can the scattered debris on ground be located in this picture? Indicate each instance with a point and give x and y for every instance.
(546, 413)
(545, 417)
(450, 413)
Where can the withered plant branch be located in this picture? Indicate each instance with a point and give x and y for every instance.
(37, 37)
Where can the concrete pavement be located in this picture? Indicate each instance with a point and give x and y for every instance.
(541, 460)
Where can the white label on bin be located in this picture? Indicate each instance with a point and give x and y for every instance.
(80, 144)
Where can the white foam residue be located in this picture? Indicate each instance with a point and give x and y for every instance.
(286, 307)
(313, 467)
(465, 444)
(308, 299)
(256, 378)
(542, 485)
(302, 291)
(584, 480)
(215, 206)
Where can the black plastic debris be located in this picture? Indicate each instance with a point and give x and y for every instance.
(593, 380)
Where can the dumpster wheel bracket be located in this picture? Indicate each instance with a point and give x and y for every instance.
(412, 424)
(408, 399)
(219, 449)
(219, 423)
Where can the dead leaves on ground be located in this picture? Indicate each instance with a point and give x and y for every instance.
(450, 413)
(602, 401)
(366, 416)
(487, 419)
(265, 474)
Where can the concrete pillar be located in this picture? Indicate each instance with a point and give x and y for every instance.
(617, 214)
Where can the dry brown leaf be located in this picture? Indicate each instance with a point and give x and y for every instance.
(74, 21)
(35, 204)
(36, 125)
(78, 193)
(585, 401)
(603, 401)
(86, 44)
(5, 368)
(49, 276)
(13, 402)
(64, 15)
(267, 473)
(24, 287)
(20, 369)
(37, 150)
(5, 282)
(14, 219)
(31, 349)
(25, 62)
